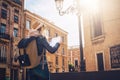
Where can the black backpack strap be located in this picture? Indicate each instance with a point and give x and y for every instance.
(43, 59)
(19, 52)
(24, 51)
(39, 45)
(25, 41)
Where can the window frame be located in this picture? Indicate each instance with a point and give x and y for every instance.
(96, 24)
(63, 51)
(57, 62)
(16, 19)
(16, 11)
(28, 24)
(4, 5)
(3, 28)
(3, 13)
(15, 32)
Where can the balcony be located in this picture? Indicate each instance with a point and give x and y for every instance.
(15, 2)
(3, 59)
(4, 36)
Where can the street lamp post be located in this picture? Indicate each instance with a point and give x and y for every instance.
(74, 8)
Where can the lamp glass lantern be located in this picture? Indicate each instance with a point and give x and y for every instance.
(59, 4)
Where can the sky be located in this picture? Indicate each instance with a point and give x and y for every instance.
(47, 9)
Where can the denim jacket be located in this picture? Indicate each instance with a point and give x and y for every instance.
(43, 44)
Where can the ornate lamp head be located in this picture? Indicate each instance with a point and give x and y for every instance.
(59, 4)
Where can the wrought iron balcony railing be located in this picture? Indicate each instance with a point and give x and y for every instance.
(3, 59)
(17, 1)
(4, 36)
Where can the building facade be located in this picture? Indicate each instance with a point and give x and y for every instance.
(14, 25)
(58, 61)
(102, 36)
(74, 58)
(11, 27)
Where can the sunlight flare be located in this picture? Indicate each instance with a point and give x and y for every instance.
(89, 4)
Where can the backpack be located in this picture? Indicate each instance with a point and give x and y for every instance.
(28, 53)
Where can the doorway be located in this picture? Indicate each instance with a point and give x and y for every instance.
(100, 63)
